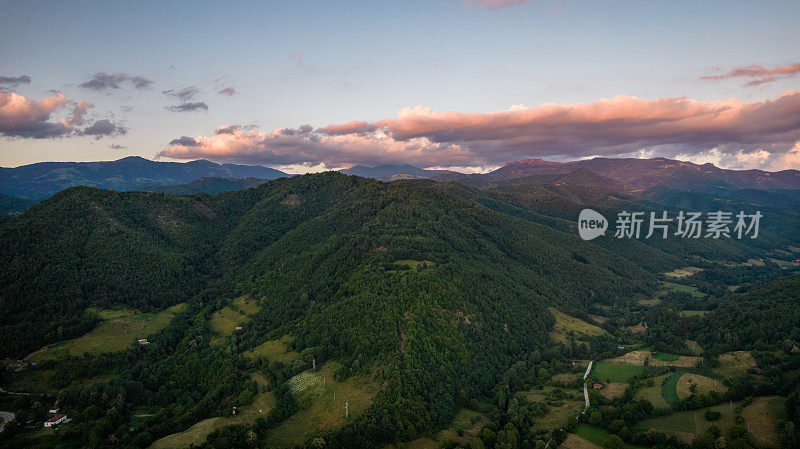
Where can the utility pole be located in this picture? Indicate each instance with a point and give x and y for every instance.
(346, 409)
(313, 363)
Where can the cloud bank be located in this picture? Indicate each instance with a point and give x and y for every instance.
(14, 81)
(21, 117)
(621, 125)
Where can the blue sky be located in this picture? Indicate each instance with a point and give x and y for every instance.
(321, 63)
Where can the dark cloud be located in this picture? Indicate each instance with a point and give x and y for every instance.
(229, 91)
(188, 107)
(185, 141)
(13, 81)
(304, 129)
(183, 93)
(38, 130)
(105, 81)
(117, 146)
(104, 127)
(225, 130)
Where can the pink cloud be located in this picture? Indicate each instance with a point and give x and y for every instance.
(761, 73)
(609, 127)
(25, 118)
(495, 4)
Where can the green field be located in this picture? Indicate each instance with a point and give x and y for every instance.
(322, 406)
(274, 350)
(225, 320)
(596, 435)
(615, 372)
(664, 357)
(116, 333)
(567, 326)
(683, 289)
(653, 394)
(669, 389)
(689, 423)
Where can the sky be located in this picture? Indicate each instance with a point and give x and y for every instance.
(464, 84)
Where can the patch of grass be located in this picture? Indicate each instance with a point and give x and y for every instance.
(274, 351)
(575, 442)
(567, 326)
(614, 390)
(225, 320)
(683, 289)
(653, 394)
(114, 334)
(691, 313)
(596, 435)
(683, 272)
(691, 422)
(735, 364)
(113, 313)
(704, 385)
(559, 412)
(649, 302)
(615, 372)
(762, 417)
(322, 407)
(669, 388)
(640, 356)
(694, 347)
(664, 357)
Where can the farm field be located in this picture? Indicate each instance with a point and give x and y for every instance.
(683, 289)
(567, 325)
(615, 372)
(559, 412)
(575, 442)
(669, 388)
(659, 359)
(704, 385)
(225, 320)
(614, 390)
(683, 272)
(735, 363)
(653, 393)
(118, 332)
(690, 423)
(596, 435)
(274, 350)
(762, 417)
(322, 406)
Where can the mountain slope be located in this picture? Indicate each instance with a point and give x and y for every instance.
(38, 181)
(394, 172)
(211, 186)
(640, 174)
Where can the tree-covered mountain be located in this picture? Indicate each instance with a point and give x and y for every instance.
(11, 206)
(641, 174)
(212, 186)
(436, 295)
(395, 172)
(40, 180)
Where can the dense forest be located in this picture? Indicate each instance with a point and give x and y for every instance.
(444, 297)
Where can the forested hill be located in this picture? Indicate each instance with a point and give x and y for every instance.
(298, 242)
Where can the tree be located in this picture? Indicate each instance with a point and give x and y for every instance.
(613, 442)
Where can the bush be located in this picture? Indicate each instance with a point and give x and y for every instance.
(712, 415)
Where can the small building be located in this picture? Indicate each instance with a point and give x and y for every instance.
(54, 410)
(55, 420)
(238, 328)
(143, 341)
(597, 386)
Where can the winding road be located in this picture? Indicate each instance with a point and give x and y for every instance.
(585, 388)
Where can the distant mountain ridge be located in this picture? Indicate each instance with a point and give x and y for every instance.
(43, 179)
(212, 186)
(395, 172)
(639, 174)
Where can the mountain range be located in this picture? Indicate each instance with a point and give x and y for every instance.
(40, 180)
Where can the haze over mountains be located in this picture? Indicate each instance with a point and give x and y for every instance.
(40, 180)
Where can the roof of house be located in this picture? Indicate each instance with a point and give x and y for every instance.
(57, 417)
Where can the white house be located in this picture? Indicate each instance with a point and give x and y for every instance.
(58, 419)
